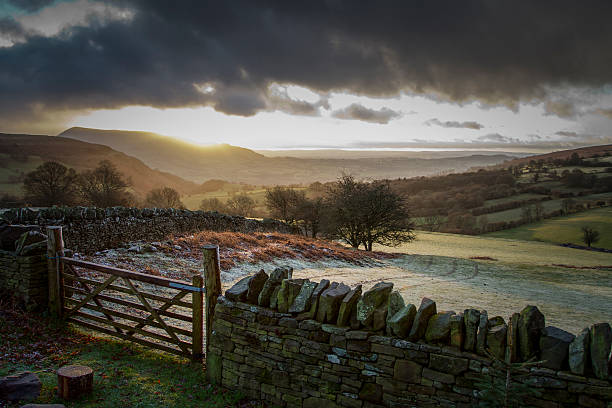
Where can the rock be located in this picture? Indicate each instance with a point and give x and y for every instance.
(238, 292)
(530, 325)
(395, 303)
(457, 331)
(554, 346)
(274, 297)
(289, 290)
(303, 299)
(148, 248)
(36, 248)
(348, 306)
(471, 318)
(496, 340)
(371, 300)
(481, 334)
(329, 302)
(495, 321)
(29, 238)
(401, 323)
(371, 392)
(135, 249)
(275, 279)
(512, 339)
(421, 319)
(314, 301)
(24, 386)
(578, 353)
(438, 328)
(255, 286)
(9, 234)
(601, 343)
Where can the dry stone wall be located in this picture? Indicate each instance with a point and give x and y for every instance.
(292, 342)
(90, 229)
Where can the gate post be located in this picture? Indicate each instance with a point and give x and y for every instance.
(197, 319)
(55, 249)
(212, 281)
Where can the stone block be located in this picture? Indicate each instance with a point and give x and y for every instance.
(421, 319)
(438, 328)
(24, 386)
(600, 346)
(451, 365)
(371, 392)
(303, 299)
(372, 307)
(530, 325)
(496, 340)
(471, 318)
(408, 371)
(329, 302)
(457, 331)
(512, 351)
(394, 305)
(275, 279)
(481, 333)
(348, 306)
(287, 293)
(554, 346)
(401, 322)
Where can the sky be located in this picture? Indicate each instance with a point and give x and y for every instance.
(486, 74)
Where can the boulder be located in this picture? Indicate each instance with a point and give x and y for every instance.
(496, 340)
(289, 290)
(314, 301)
(554, 347)
(329, 302)
(348, 306)
(303, 299)
(20, 387)
(601, 343)
(421, 319)
(255, 286)
(401, 323)
(481, 334)
(457, 331)
(578, 353)
(512, 339)
(471, 318)
(394, 304)
(275, 279)
(373, 299)
(530, 325)
(438, 328)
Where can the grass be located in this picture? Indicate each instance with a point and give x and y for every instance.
(124, 374)
(565, 229)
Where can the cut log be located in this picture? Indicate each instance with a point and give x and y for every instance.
(74, 381)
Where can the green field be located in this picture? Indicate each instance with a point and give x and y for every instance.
(565, 229)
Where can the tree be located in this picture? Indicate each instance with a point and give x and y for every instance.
(104, 186)
(241, 204)
(567, 205)
(165, 197)
(589, 235)
(51, 184)
(310, 213)
(283, 203)
(367, 213)
(213, 204)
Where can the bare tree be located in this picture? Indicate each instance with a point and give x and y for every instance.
(589, 235)
(51, 184)
(104, 186)
(213, 204)
(367, 213)
(165, 197)
(241, 204)
(283, 203)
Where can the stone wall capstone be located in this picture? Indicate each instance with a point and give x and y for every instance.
(90, 229)
(293, 359)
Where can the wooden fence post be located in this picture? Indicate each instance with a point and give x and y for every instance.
(197, 298)
(212, 282)
(55, 248)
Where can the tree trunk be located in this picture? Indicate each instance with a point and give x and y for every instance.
(74, 381)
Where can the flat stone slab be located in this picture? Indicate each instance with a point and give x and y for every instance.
(438, 328)
(554, 346)
(401, 323)
(578, 353)
(425, 312)
(371, 300)
(303, 299)
(601, 342)
(530, 325)
(19, 387)
(329, 302)
(348, 306)
(471, 319)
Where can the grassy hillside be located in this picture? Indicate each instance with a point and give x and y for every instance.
(239, 165)
(565, 229)
(25, 152)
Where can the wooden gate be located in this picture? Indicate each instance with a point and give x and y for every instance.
(161, 313)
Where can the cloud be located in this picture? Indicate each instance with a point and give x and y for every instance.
(603, 112)
(496, 53)
(567, 134)
(360, 112)
(455, 124)
(560, 108)
(30, 5)
(497, 138)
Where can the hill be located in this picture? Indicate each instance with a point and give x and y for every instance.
(583, 152)
(236, 164)
(22, 153)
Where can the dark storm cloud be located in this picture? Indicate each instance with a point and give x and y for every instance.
(493, 51)
(454, 124)
(360, 112)
(30, 5)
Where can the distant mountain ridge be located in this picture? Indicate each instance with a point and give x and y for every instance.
(237, 164)
(85, 156)
(583, 152)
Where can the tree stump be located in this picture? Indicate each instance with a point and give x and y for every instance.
(74, 381)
